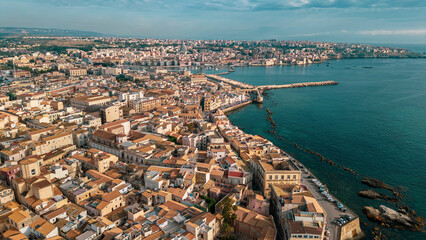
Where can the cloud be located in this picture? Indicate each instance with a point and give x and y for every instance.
(238, 5)
(414, 32)
(377, 32)
(315, 34)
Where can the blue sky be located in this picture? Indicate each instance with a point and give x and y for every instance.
(370, 21)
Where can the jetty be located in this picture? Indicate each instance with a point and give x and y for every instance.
(234, 83)
(298, 85)
(238, 84)
(222, 73)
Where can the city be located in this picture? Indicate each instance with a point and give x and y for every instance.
(129, 143)
(212, 119)
(119, 152)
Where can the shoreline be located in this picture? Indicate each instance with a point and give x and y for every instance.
(222, 65)
(236, 107)
(339, 232)
(371, 225)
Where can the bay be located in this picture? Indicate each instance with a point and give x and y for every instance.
(373, 122)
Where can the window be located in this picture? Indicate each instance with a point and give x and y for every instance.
(276, 177)
(270, 177)
(282, 177)
(32, 171)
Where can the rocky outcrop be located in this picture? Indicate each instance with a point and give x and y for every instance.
(376, 183)
(377, 234)
(391, 218)
(371, 194)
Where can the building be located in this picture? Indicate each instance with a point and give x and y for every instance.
(75, 72)
(6, 194)
(251, 225)
(57, 105)
(297, 213)
(111, 71)
(270, 172)
(143, 105)
(21, 74)
(80, 137)
(197, 79)
(30, 167)
(51, 142)
(4, 98)
(96, 159)
(204, 226)
(111, 113)
(110, 202)
(87, 101)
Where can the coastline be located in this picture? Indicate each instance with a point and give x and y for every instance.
(345, 231)
(412, 55)
(408, 200)
(236, 107)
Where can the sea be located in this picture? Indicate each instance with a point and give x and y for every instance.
(373, 121)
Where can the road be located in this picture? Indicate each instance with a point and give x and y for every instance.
(329, 207)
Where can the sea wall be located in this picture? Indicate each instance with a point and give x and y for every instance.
(226, 110)
(351, 230)
(229, 81)
(298, 85)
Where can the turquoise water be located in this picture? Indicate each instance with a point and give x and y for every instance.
(373, 122)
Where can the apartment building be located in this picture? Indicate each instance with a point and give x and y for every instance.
(96, 159)
(87, 101)
(75, 72)
(111, 113)
(144, 105)
(51, 142)
(270, 172)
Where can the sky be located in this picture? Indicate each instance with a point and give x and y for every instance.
(366, 21)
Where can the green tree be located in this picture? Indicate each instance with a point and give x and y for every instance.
(210, 203)
(172, 139)
(12, 96)
(229, 217)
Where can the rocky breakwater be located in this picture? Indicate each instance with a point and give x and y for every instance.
(375, 183)
(388, 217)
(270, 120)
(371, 194)
(298, 85)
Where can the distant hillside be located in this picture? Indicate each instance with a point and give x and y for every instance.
(14, 31)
